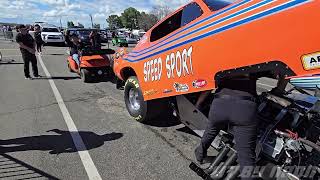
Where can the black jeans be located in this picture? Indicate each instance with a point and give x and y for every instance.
(241, 114)
(39, 47)
(27, 58)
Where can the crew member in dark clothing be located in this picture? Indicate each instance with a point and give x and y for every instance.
(95, 40)
(75, 47)
(27, 48)
(37, 36)
(234, 104)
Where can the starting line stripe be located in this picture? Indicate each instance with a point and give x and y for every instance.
(86, 159)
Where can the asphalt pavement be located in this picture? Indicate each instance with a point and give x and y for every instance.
(57, 127)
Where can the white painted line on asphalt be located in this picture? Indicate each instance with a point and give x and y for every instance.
(86, 159)
(17, 49)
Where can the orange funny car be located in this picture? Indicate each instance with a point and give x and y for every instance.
(193, 48)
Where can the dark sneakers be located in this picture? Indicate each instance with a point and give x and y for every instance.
(199, 154)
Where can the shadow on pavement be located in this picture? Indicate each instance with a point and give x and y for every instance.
(98, 80)
(187, 130)
(10, 63)
(164, 120)
(12, 168)
(55, 54)
(57, 78)
(56, 144)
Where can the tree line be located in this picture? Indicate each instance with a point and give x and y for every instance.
(131, 18)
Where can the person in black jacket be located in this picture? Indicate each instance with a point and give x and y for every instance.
(234, 104)
(27, 48)
(95, 39)
(37, 36)
(75, 48)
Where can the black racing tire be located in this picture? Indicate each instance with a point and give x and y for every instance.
(144, 110)
(85, 75)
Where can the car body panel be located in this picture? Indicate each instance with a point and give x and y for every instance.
(243, 34)
(94, 61)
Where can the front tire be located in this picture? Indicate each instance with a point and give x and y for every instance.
(139, 109)
(85, 75)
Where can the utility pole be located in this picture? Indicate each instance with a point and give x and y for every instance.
(91, 20)
(60, 23)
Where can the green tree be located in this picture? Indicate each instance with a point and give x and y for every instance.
(96, 26)
(80, 25)
(70, 24)
(161, 11)
(114, 22)
(130, 17)
(146, 21)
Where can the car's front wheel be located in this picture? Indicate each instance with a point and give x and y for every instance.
(137, 107)
(85, 75)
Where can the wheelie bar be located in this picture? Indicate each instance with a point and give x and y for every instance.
(219, 169)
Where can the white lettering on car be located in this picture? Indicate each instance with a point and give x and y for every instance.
(172, 64)
(184, 62)
(152, 70)
(177, 65)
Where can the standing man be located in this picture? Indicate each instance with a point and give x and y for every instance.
(95, 39)
(27, 48)
(37, 37)
(234, 104)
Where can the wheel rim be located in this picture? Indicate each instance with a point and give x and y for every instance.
(133, 99)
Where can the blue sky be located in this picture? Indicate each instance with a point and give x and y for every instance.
(29, 11)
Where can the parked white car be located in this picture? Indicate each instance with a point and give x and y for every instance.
(52, 35)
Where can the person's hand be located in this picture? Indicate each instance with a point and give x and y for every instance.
(32, 51)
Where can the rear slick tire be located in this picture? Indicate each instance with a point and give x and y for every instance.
(142, 111)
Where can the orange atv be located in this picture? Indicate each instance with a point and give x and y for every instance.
(94, 64)
(193, 48)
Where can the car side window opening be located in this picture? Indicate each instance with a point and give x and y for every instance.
(190, 13)
(181, 18)
(166, 27)
(215, 5)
